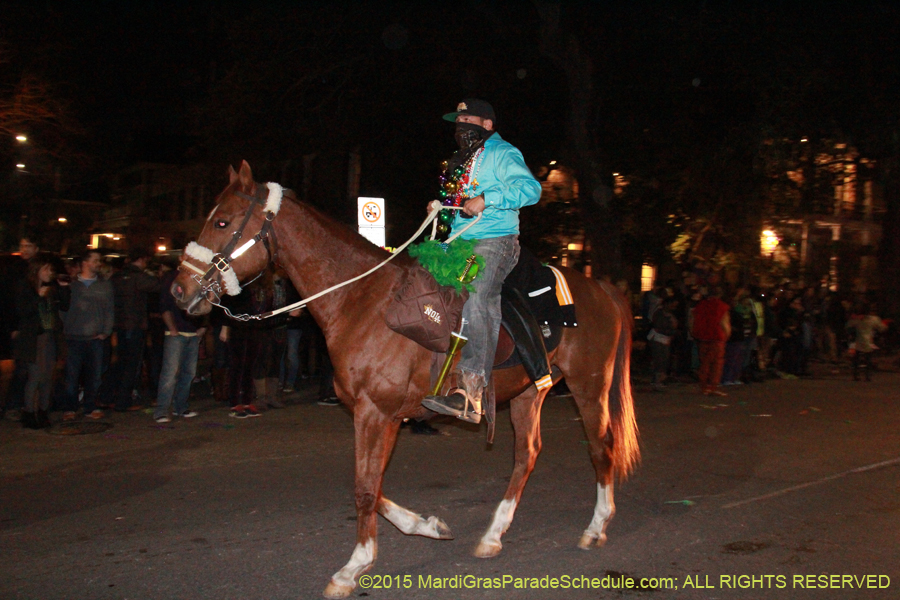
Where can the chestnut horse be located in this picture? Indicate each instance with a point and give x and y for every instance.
(382, 376)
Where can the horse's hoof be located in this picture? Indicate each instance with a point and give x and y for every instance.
(337, 590)
(441, 529)
(589, 540)
(488, 550)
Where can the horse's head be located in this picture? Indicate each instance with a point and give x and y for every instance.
(233, 246)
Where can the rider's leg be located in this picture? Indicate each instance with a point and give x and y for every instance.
(482, 313)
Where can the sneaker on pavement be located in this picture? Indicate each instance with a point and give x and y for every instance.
(95, 414)
(252, 411)
(69, 415)
(238, 412)
(330, 401)
(188, 414)
(162, 419)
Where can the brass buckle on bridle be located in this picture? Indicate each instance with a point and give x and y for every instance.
(220, 262)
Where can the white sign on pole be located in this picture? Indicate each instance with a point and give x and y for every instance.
(370, 218)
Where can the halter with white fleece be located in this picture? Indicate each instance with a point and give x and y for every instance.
(207, 256)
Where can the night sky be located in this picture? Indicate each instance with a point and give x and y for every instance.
(224, 81)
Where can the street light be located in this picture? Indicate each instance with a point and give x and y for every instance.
(20, 165)
(22, 138)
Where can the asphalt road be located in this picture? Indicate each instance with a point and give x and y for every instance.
(790, 482)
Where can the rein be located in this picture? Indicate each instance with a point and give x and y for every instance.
(433, 209)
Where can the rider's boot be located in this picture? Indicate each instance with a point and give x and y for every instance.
(463, 402)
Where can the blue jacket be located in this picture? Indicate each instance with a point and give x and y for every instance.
(507, 184)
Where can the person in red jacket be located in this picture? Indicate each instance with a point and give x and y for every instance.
(712, 328)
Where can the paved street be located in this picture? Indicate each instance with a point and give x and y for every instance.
(786, 479)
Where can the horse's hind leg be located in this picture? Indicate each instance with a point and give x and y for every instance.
(594, 415)
(525, 413)
(375, 438)
(412, 523)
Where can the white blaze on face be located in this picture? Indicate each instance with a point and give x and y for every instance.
(212, 212)
(362, 558)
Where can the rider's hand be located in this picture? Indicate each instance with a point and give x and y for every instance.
(474, 206)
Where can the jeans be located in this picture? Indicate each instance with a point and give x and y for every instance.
(123, 375)
(482, 309)
(734, 361)
(291, 365)
(179, 365)
(83, 356)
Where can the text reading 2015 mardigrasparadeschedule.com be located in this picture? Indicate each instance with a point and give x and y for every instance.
(623, 582)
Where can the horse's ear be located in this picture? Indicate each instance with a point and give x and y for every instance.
(232, 174)
(245, 175)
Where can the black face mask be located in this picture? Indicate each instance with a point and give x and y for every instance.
(469, 134)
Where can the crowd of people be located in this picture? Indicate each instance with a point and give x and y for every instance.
(727, 336)
(91, 334)
(88, 335)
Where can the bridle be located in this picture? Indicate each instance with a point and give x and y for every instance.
(220, 273)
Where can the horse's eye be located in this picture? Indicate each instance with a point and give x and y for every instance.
(220, 224)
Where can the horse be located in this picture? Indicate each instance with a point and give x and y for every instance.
(382, 376)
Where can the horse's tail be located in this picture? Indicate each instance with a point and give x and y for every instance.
(626, 449)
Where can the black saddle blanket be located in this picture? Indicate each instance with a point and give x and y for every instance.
(536, 284)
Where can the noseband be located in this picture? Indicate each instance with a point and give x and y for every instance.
(220, 262)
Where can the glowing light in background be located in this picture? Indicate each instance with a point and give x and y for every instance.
(768, 241)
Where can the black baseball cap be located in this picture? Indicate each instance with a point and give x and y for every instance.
(475, 107)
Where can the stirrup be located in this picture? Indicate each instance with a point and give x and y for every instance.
(439, 405)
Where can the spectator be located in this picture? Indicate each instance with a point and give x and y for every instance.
(86, 324)
(291, 360)
(15, 271)
(743, 327)
(271, 338)
(132, 286)
(711, 329)
(792, 333)
(181, 349)
(221, 365)
(37, 308)
(834, 329)
(242, 339)
(664, 328)
(866, 325)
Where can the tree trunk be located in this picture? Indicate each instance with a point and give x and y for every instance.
(889, 250)
(601, 220)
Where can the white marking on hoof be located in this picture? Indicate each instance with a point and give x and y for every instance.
(595, 534)
(334, 590)
(488, 550)
(412, 523)
(490, 545)
(344, 581)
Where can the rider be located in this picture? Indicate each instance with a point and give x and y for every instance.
(497, 184)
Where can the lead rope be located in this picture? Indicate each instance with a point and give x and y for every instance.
(434, 207)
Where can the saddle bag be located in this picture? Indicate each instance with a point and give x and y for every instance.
(425, 311)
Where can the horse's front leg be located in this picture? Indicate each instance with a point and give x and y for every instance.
(525, 413)
(376, 435)
(412, 523)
